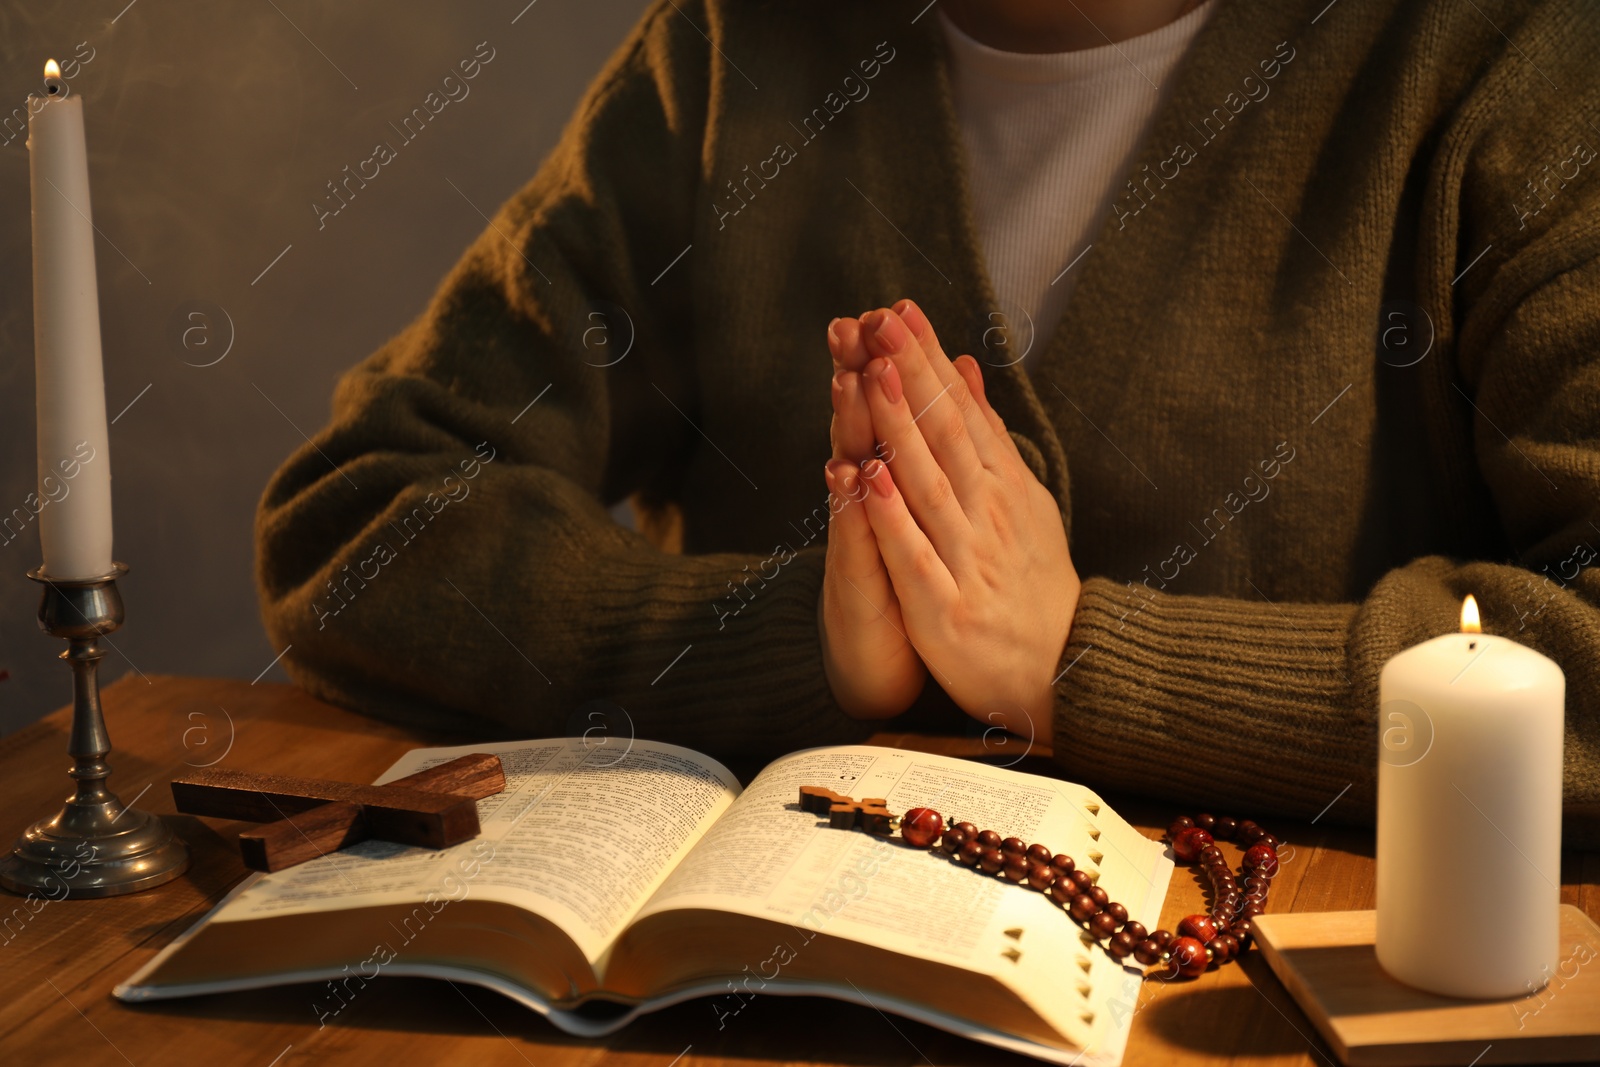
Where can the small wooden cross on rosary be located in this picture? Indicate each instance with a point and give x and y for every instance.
(1201, 940)
(846, 814)
(309, 817)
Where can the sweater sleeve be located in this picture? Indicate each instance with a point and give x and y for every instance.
(441, 553)
(1258, 707)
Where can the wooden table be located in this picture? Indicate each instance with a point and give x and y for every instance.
(58, 965)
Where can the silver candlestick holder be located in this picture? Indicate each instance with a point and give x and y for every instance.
(96, 846)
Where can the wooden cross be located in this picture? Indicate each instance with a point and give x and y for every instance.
(308, 817)
(844, 813)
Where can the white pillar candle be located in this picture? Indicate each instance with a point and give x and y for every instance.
(1469, 815)
(74, 463)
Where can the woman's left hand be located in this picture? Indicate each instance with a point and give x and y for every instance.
(873, 670)
(973, 542)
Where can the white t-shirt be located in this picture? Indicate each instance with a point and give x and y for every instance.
(1049, 139)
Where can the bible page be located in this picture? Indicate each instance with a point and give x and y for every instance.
(582, 834)
(766, 857)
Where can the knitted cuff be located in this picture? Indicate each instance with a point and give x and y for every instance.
(1233, 702)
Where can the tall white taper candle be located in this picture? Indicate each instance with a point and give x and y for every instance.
(74, 463)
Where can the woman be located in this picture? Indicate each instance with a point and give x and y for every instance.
(1328, 365)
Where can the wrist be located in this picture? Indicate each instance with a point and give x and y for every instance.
(1056, 661)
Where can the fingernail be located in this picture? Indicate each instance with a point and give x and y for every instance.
(849, 485)
(832, 336)
(887, 332)
(914, 319)
(972, 373)
(877, 474)
(884, 373)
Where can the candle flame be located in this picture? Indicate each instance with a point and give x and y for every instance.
(1469, 616)
(52, 69)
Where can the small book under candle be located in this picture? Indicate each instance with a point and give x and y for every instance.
(610, 880)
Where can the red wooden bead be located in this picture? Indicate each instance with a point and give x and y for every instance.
(1015, 870)
(1162, 938)
(1039, 854)
(1135, 930)
(1014, 846)
(1100, 897)
(1147, 952)
(1103, 924)
(1187, 845)
(1225, 828)
(1121, 945)
(921, 827)
(992, 859)
(1083, 907)
(1189, 957)
(1063, 863)
(1261, 858)
(1118, 912)
(988, 839)
(1219, 950)
(1041, 876)
(1205, 822)
(1199, 927)
(1179, 825)
(967, 829)
(1082, 879)
(1244, 931)
(1063, 891)
(969, 853)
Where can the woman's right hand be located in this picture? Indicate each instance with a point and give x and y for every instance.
(872, 668)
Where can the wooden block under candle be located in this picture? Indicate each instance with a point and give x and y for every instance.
(1328, 963)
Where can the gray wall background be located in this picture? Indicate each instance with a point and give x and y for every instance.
(212, 129)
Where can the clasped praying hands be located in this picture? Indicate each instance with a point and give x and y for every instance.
(945, 553)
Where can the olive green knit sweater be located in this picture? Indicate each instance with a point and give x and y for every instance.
(1332, 363)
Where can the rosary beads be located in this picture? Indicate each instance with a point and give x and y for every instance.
(1200, 940)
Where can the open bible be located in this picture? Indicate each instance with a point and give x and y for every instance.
(613, 879)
